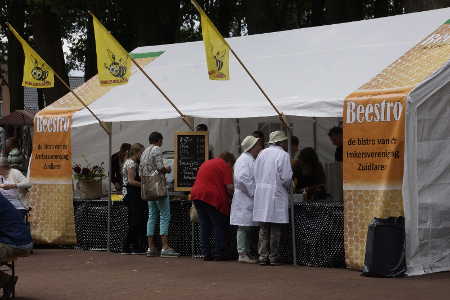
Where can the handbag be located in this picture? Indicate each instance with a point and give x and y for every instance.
(193, 215)
(153, 185)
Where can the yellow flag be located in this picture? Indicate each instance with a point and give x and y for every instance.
(36, 72)
(217, 51)
(113, 62)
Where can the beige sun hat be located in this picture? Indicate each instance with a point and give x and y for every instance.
(248, 143)
(277, 136)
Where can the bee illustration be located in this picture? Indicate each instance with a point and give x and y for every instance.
(39, 72)
(219, 58)
(116, 68)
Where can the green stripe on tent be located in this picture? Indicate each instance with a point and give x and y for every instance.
(146, 55)
(448, 22)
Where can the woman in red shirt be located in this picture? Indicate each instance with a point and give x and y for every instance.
(212, 193)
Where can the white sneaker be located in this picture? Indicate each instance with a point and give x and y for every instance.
(246, 259)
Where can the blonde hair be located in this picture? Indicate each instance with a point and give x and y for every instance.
(135, 149)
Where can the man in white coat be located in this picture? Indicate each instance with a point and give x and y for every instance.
(242, 204)
(273, 176)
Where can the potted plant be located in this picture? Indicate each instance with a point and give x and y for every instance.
(89, 180)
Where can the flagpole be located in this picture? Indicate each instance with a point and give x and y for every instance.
(183, 117)
(281, 116)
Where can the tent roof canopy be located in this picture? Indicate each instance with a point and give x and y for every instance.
(306, 72)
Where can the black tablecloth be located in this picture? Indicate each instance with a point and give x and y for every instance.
(319, 230)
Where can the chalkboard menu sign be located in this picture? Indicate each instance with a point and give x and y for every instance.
(191, 151)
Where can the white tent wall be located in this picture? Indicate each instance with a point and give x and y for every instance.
(426, 187)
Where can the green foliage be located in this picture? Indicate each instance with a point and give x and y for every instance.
(232, 18)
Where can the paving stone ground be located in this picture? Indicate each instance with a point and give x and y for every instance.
(81, 275)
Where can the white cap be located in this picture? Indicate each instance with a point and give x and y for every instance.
(277, 136)
(248, 143)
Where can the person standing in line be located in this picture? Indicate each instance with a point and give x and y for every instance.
(295, 146)
(336, 137)
(204, 127)
(273, 177)
(117, 161)
(152, 161)
(309, 174)
(242, 204)
(260, 135)
(137, 208)
(211, 194)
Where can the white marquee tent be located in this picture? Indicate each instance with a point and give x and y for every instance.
(308, 73)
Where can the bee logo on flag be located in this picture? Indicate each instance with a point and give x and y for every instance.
(39, 72)
(219, 58)
(117, 68)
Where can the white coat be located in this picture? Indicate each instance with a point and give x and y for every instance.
(273, 175)
(244, 189)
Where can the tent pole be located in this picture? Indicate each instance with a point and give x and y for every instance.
(291, 202)
(238, 131)
(315, 133)
(109, 188)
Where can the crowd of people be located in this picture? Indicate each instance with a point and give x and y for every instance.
(250, 193)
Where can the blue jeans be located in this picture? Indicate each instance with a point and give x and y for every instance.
(211, 220)
(159, 208)
(247, 240)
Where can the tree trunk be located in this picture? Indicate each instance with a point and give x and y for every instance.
(353, 10)
(151, 23)
(225, 17)
(260, 16)
(317, 12)
(338, 11)
(16, 16)
(381, 8)
(41, 100)
(398, 7)
(90, 67)
(421, 5)
(47, 35)
(335, 11)
(288, 15)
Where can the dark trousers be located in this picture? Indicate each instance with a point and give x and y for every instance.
(211, 220)
(137, 220)
(269, 241)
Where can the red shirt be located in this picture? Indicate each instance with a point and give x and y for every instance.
(210, 184)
